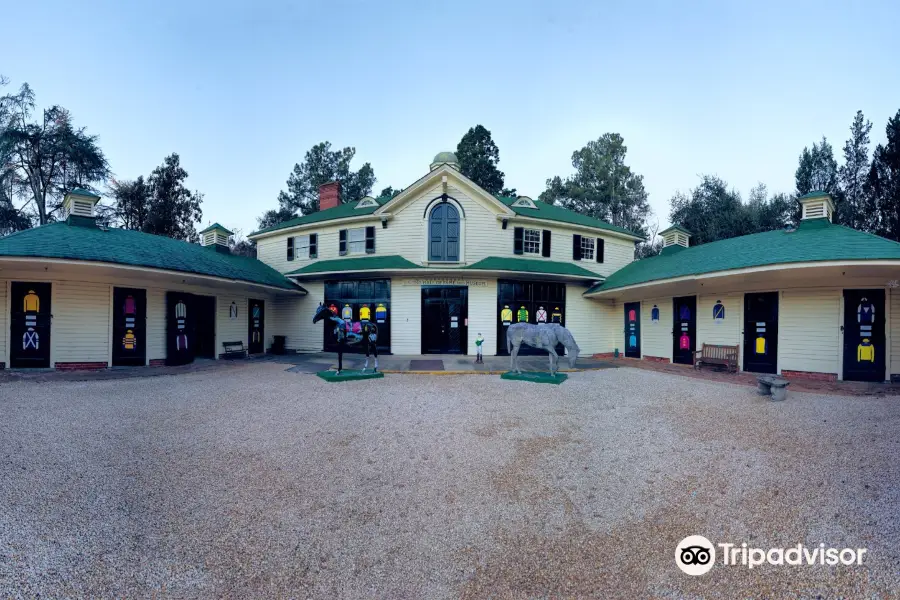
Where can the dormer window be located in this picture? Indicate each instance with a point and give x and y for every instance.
(443, 233)
(367, 202)
(524, 202)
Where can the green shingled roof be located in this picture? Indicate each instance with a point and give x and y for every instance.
(216, 226)
(120, 246)
(341, 211)
(551, 212)
(362, 263)
(533, 265)
(813, 240)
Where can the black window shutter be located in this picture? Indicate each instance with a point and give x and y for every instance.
(370, 240)
(342, 242)
(576, 247)
(518, 240)
(599, 249)
(545, 243)
(290, 248)
(314, 245)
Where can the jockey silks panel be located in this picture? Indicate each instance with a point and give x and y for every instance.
(360, 300)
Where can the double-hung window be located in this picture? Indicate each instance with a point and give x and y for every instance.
(587, 248)
(532, 239)
(356, 240)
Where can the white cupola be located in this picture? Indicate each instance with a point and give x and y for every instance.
(816, 205)
(676, 235)
(80, 203)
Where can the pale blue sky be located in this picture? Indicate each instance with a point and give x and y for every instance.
(242, 89)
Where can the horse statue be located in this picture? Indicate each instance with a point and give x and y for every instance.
(350, 333)
(546, 336)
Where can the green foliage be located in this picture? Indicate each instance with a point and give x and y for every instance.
(712, 212)
(858, 208)
(603, 186)
(322, 165)
(161, 204)
(883, 182)
(818, 171)
(478, 157)
(240, 245)
(42, 157)
(173, 208)
(271, 218)
(389, 192)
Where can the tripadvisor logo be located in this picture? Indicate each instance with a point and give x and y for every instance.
(696, 555)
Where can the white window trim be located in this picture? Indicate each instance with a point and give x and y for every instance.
(587, 253)
(301, 247)
(361, 241)
(535, 244)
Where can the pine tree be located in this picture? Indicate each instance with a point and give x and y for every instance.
(859, 210)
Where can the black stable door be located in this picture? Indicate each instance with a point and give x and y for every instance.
(204, 309)
(30, 325)
(633, 329)
(761, 332)
(864, 339)
(129, 341)
(256, 316)
(684, 330)
(180, 328)
(444, 314)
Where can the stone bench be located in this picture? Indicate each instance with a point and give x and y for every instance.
(772, 385)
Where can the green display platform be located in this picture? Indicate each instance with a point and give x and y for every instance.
(535, 377)
(349, 375)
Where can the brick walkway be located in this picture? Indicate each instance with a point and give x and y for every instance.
(843, 388)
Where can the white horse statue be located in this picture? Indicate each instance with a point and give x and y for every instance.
(545, 336)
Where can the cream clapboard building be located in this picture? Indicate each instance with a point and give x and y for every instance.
(441, 262)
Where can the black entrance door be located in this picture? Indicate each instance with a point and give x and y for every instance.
(129, 340)
(256, 326)
(30, 325)
(180, 328)
(204, 308)
(684, 331)
(633, 329)
(864, 339)
(444, 315)
(761, 332)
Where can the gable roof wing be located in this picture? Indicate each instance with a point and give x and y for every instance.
(813, 240)
(134, 248)
(429, 179)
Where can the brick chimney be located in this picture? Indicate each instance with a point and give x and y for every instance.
(329, 195)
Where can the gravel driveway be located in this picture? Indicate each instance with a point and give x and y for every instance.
(264, 483)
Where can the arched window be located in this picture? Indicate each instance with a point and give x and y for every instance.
(443, 233)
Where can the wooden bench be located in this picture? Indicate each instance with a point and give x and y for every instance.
(714, 354)
(234, 349)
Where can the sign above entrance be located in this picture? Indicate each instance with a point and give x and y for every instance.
(447, 281)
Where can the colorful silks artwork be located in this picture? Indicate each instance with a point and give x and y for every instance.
(556, 316)
(380, 313)
(541, 315)
(865, 352)
(684, 313)
(257, 317)
(365, 313)
(684, 342)
(347, 313)
(181, 339)
(718, 312)
(32, 305)
(654, 314)
(522, 315)
(232, 311)
(506, 315)
(129, 310)
(865, 312)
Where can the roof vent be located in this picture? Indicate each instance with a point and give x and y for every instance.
(215, 237)
(676, 235)
(817, 205)
(80, 203)
(367, 202)
(524, 202)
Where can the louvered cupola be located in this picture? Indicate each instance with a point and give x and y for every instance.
(817, 205)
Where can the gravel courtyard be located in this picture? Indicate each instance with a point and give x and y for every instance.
(256, 482)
